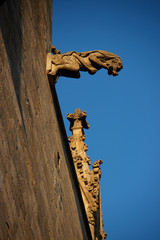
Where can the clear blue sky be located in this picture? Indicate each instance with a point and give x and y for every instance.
(123, 111)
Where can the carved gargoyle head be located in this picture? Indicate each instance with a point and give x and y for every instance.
(114, 66)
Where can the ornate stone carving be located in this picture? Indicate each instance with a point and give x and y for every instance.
(71, 63)
(88, 179)
(91, 210)
(102, 235)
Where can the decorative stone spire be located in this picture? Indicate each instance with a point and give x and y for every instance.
(88, 179)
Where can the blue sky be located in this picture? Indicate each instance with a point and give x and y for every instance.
(123, 111)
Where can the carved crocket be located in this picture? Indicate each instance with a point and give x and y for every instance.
(71, 63)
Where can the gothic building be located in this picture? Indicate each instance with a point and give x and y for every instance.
(47, 190)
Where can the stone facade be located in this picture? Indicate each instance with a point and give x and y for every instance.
(40, 196)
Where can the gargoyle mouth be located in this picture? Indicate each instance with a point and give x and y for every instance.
(114, 72)
(111, 71)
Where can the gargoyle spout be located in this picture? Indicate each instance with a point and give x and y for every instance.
(71, 63)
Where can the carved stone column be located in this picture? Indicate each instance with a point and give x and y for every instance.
(88, 179)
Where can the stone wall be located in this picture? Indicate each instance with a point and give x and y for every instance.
(39, 193)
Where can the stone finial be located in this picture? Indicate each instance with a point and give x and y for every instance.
(71, 63)
(78, 119)
(88, 179)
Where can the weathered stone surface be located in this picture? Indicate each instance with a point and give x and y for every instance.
(39, 197)
(71, 63)
(89, 180)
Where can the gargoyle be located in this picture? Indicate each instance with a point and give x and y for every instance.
(71, 63)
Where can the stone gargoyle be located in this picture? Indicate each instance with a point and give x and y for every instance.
(71, 63)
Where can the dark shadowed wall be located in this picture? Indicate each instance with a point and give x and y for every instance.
(39, 193)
